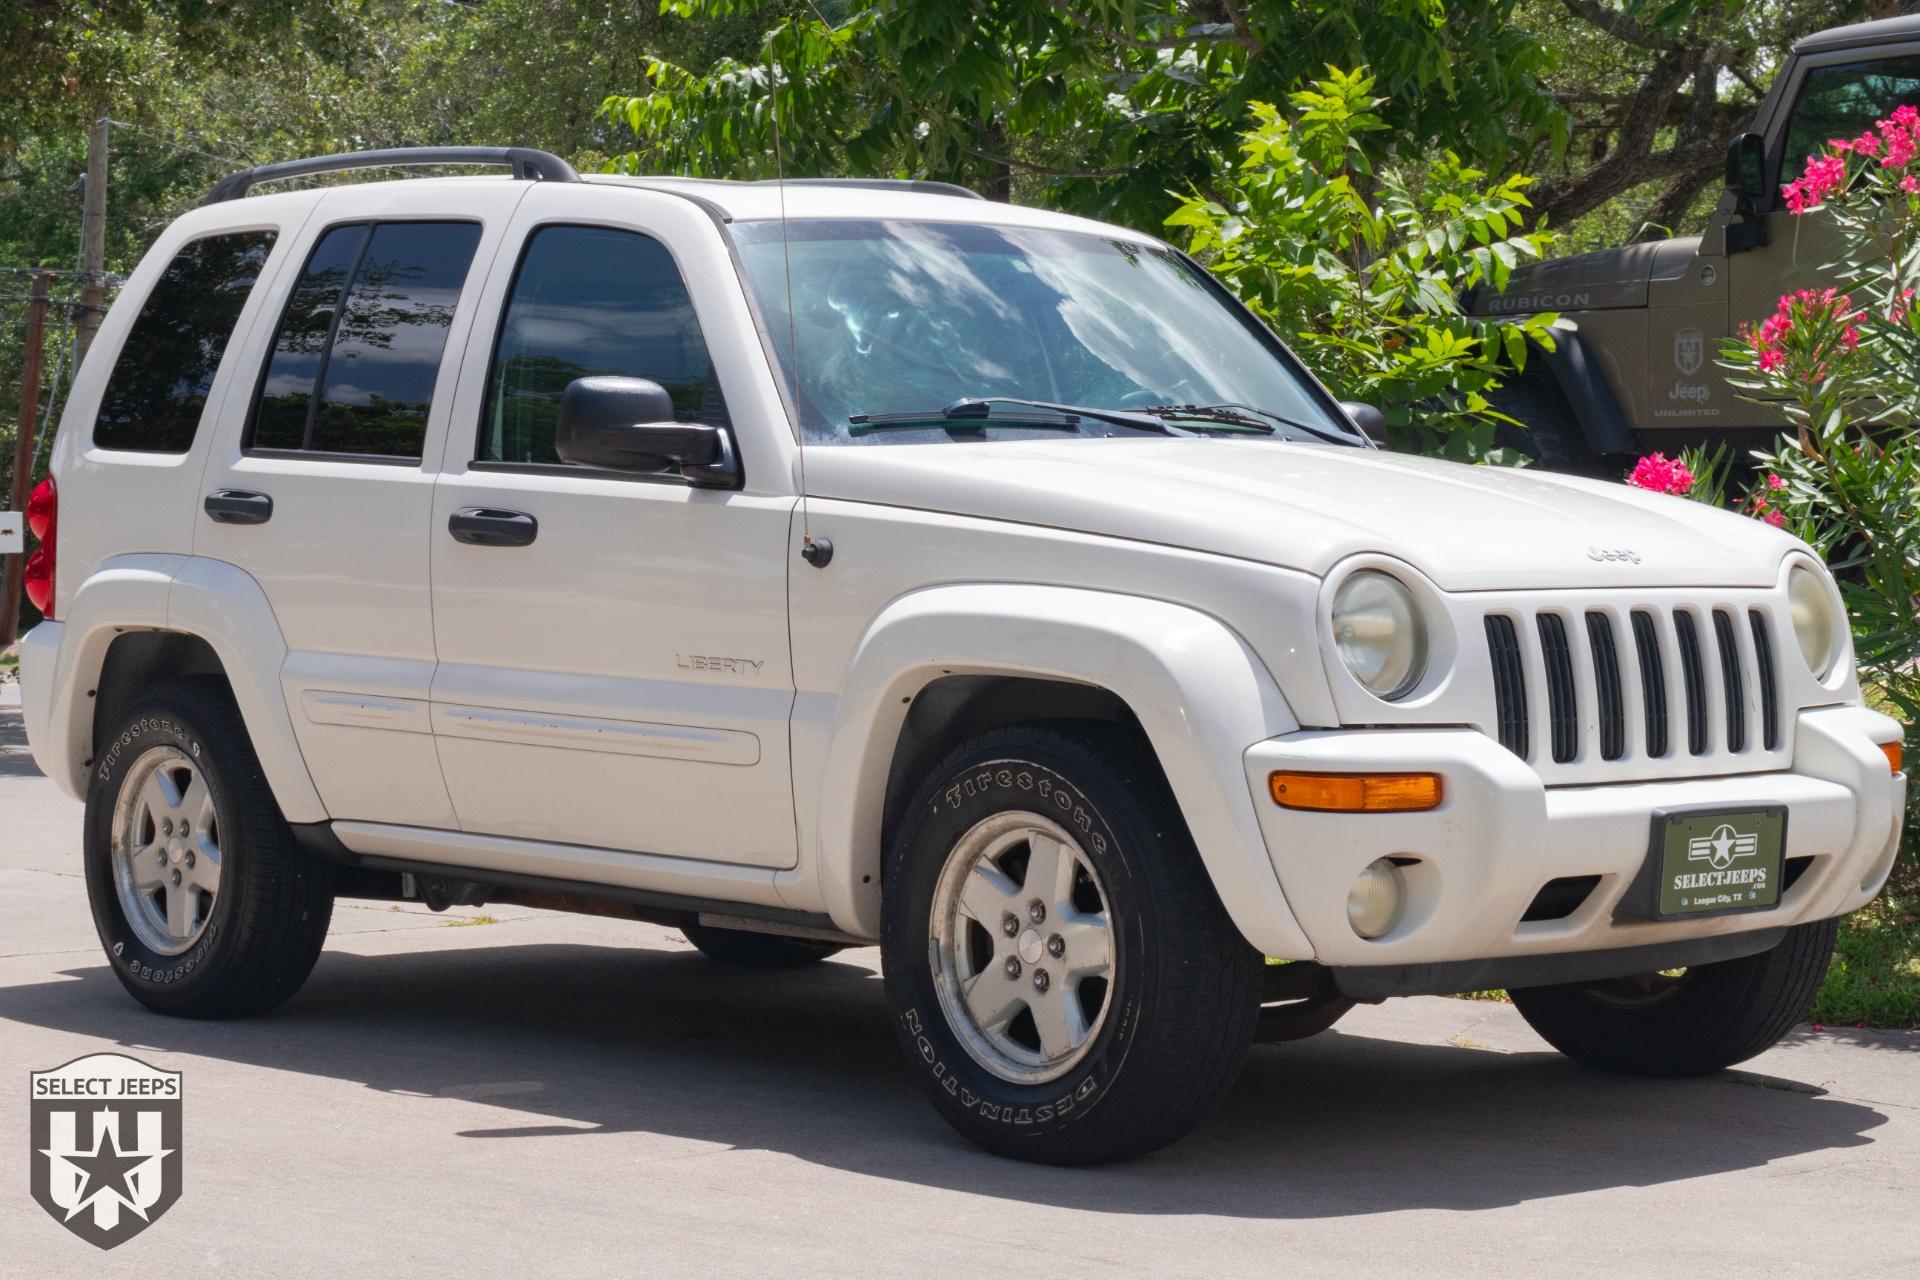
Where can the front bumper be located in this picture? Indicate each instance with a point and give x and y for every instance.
(1500, 835)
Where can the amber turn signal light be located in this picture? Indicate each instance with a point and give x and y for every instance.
(1894, 755)
(1356, 792)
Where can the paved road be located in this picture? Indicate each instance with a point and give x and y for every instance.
(554, 1095)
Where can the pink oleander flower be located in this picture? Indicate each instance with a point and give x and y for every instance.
(1658, 473)
(1775, 482)
(1910, 185)
(1775, 518)
(1905, 115)
(1770, 360)
(1900, 145)
(1867, 144)
(1850, 338)
(1824, 176)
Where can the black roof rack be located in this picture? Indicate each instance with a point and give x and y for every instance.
(882, 184)
(526, 163)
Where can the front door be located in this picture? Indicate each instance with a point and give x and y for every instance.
(1838, 96)
(332, 457)
(621, 680)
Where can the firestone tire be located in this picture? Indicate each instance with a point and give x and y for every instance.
(751, 950)
(206, 906)
(1099, 920)
(1692, 1024)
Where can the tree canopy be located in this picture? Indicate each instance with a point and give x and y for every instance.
(1101, 106)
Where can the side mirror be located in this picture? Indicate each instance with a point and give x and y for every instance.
(626, 424)
(1371, 422)
(1747, 166)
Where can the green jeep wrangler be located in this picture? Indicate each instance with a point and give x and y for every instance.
(1637, 369)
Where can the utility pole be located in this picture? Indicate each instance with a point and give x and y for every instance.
(23, 447)
(93, 238)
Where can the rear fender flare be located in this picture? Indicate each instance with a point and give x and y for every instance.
(211, 599)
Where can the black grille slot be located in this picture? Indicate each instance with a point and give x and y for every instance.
(1653, 681)
(1509, 683)
(1694, 671)
(1560, 898)
(1723, 638)
(1793, 870)
(1769, 693)
(1562, 715)
(1606, 683)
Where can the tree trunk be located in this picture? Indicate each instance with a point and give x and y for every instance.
(1686, 186)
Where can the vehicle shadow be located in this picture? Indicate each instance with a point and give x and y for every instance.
(594, 1039)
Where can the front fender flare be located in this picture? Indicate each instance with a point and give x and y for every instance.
(1200, 693)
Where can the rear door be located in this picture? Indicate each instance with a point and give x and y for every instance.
(338, 446)
(622, 680)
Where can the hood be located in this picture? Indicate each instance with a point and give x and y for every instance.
(1307, 507)
(1608, 279)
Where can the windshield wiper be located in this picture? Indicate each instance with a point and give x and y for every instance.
(1247, 417)
(976, 413)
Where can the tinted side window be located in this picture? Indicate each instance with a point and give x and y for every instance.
(587, 301)
(1844, 102)
(159, 385)
(354, 363)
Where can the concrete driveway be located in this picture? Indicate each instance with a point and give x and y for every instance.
(565, 1096)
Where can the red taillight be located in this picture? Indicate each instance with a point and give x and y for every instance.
(43, 509)
(43, 517)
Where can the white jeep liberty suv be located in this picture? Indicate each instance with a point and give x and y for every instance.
(817, 564)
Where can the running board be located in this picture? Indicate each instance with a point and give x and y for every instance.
(559, 878)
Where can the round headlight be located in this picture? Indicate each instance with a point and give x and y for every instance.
(1380, 632)
(1812, 611)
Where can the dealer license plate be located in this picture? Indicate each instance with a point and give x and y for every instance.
(1710, 862)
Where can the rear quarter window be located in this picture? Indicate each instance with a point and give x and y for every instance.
(159, 385)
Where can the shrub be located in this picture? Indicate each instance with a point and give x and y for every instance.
(1362, 270)
(1844, 369)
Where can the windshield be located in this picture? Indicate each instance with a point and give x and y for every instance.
(906, 318)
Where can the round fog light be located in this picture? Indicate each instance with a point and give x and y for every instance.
(1375, 901)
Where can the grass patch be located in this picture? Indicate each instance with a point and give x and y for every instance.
(463, 923)
(1875, 978)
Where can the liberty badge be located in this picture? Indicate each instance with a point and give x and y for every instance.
(106, 1145)
(1689, 350)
